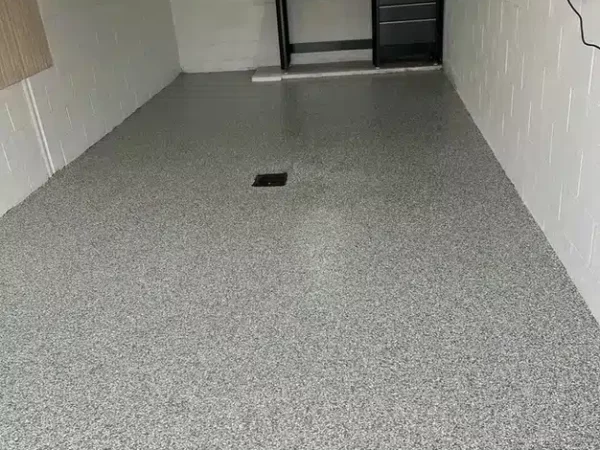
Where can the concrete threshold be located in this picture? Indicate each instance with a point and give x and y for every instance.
(306, 71)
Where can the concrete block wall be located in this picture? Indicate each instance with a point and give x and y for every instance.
(329, 20)
(110, 57)
(23, 168)
(533, 89)
(242, 34)
(226, 35)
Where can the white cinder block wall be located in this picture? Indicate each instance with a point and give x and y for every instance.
(22, 165)
(533, 89)
(225, 35)
(242, 34)
(329, 20)
(110, 57)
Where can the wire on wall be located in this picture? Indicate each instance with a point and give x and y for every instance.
(581, 26)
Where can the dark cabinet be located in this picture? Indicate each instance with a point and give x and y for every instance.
(407, 30)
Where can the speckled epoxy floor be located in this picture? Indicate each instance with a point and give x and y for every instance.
(395, 295)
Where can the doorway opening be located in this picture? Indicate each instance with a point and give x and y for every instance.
(401, 31)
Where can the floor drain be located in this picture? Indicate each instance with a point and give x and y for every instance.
(270, 180)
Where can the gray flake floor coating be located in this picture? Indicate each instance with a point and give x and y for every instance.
(395, 295)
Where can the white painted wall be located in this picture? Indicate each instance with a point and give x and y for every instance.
(225, 35)
(242, 34)
(329, 20)
(110, 58)
(22, 166)
(533, 89)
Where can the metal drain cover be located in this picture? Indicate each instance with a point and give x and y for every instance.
(270, 180)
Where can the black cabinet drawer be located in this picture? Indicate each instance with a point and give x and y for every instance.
(418, 32)
(408, 12)
(407, 30)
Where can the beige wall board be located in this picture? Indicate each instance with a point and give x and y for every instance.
(25, 49)
(11, 64)
(31, 36)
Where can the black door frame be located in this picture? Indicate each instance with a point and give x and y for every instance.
(286, 48)
(283, 29)
(440, 32)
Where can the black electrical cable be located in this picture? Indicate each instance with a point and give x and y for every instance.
(589, 44)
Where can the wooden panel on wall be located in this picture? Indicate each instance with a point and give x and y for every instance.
(24, 48)
(30, 35)
(11, 65)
